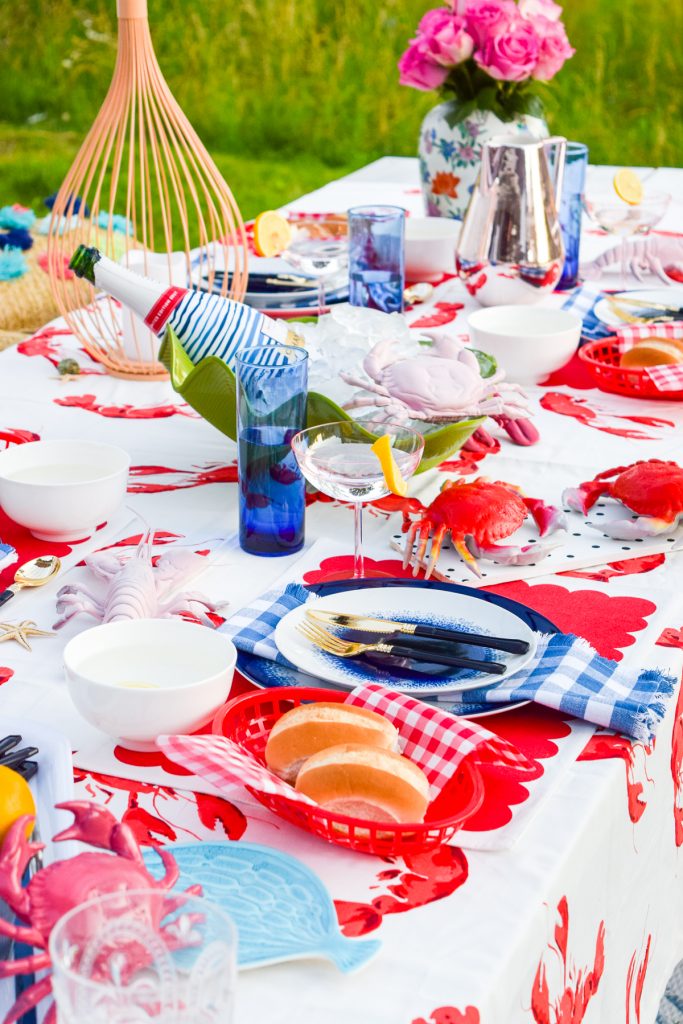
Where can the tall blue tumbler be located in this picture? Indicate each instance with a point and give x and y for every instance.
(376, 257)
(272, 385)
(571, 210)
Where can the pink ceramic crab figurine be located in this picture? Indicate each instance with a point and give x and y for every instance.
(439, 385)
(136, 588)
(651, 489)
(65, 884)
(477, 515)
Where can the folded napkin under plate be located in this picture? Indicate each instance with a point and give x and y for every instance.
(565, 674)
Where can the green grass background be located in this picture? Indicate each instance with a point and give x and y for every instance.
(288, 94)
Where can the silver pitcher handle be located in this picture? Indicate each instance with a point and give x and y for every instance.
(556, 151)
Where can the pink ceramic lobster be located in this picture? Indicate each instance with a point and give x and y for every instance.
(136, 588)
(477, 515)
(438, 385)
(65, 884)
(652, 490)
(653, 254)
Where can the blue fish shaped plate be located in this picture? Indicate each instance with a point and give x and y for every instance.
(280, 907)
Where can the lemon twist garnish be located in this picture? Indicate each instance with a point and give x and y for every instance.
(272, 233)
(628, 186)
(393, 477)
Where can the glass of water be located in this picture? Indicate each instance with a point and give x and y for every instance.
(376, 257)
(148, 955)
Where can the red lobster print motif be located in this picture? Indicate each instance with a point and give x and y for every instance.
(13, 435)
(444, 313)
(475, 449)
(671, 637)
(449, 1015)
(600, 419)
(677, 769)
(196, 476)
(636, 971)
(43, 344)
(578, 986)
(126, 412)
(424, 878)
(603, 746)
(5, 674)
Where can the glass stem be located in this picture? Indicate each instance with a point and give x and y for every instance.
(321, 292)
(358, 567)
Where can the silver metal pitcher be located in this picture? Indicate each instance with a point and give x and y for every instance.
(510, 248)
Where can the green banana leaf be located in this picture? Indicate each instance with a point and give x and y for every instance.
(210, 388)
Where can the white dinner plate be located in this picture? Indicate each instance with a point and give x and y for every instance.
(671, 296)
(436, 608)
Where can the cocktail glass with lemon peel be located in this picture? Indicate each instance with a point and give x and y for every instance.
(627, 210)
(341, 459)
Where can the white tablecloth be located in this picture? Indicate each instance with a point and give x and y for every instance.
(585, 909)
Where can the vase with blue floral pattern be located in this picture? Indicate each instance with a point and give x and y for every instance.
(450, 153)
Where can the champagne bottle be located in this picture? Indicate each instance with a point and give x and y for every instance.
(206, 324)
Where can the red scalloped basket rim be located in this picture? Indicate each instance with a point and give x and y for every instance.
(235, 721)
(600, 359)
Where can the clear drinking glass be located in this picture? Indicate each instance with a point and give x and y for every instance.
(272, 388)
(337, 459)
(376, 257)
(619, 218)
(319, 248)
(571, 209)
(135, 956)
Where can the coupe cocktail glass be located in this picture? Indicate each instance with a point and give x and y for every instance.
(319, 248)
(337, 459)
(619, 218)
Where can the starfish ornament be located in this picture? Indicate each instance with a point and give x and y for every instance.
(20, 632)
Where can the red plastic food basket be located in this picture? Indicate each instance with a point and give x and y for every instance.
(601, 359)
(248, 720)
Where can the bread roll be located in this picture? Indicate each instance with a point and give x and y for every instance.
(366, 782)
(305, 730)
(653, 352)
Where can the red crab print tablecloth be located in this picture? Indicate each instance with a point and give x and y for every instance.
(578, 917)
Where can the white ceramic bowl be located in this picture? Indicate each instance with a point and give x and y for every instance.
(528, 342)
(430, 244)
(62, 490)
(143, 678)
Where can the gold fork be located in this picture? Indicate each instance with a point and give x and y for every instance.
(341, 648)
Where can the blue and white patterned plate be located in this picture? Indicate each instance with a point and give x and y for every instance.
(450, 610)
(281, 909)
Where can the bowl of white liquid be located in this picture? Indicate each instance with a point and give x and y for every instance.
(141, 678)
(62, 490)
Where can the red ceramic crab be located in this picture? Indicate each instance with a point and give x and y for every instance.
(651, 489)
(65, 884)
(477, 515)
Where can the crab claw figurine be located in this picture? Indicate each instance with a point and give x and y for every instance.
(55, 889)
(652, 490)
(477, 515)
(439, 385)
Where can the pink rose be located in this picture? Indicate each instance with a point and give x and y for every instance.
(445, 37)
(418, 68)
(554, 48)
(512, 54)
(488, 17)
(544, 8)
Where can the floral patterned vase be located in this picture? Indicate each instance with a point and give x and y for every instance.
(450, 153)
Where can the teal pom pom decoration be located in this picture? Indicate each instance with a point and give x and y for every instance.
(118, 223)
(12, 264)
(16, 217)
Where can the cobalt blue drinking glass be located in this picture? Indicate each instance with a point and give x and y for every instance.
(376, 257)
(272, 385)
(571, 209)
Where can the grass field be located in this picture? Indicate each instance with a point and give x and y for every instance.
(290, 93)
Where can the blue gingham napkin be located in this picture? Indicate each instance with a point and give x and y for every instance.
(583, 301)
(566, 673)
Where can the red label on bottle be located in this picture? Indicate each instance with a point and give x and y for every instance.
(163, 307)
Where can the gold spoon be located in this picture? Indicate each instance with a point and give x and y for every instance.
(34, 573)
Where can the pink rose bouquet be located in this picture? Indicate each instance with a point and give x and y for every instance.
(488, 53)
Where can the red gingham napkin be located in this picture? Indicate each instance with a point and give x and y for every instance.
(433, 739)
(667, 377)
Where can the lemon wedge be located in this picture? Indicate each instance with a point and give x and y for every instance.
(628, 186)
(272, 233)
(393, 477)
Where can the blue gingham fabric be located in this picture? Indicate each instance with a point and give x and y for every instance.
(583, 301)
(566, 673)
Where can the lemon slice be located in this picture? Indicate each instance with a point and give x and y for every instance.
(16, 799)
(272, 233)
(628, 186)
(393, 477)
